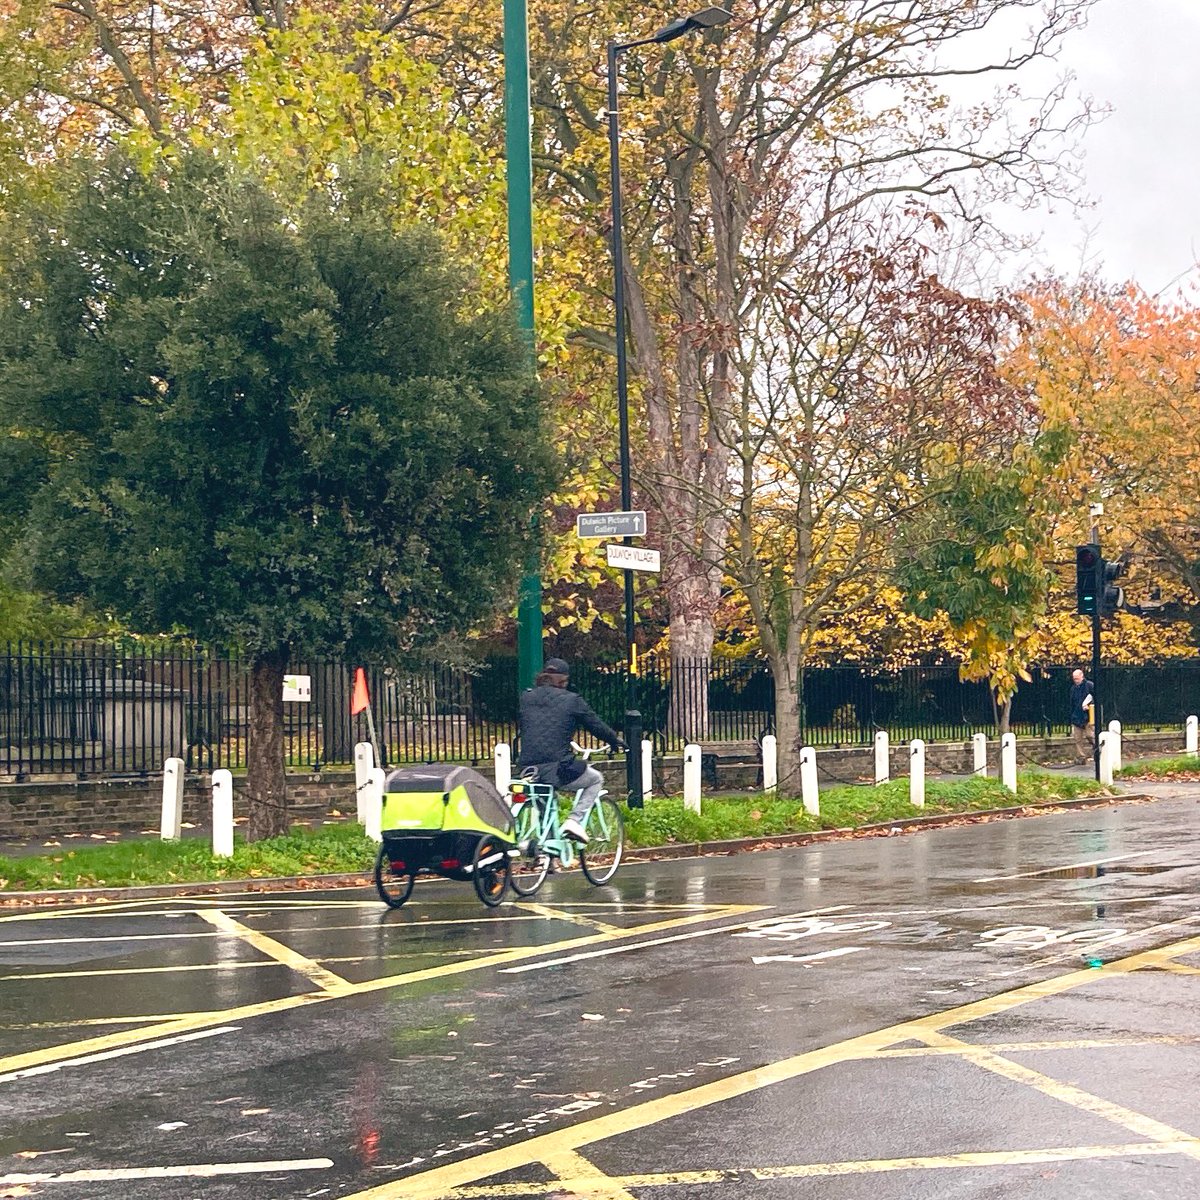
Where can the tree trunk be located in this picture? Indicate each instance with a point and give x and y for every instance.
(787, 728)
(266, 785)
(1003, 714)
(692, 635)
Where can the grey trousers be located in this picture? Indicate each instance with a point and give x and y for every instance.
(1084, 740)
(588, 785)
(591, 781)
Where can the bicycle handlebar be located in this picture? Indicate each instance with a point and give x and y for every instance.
(587, 752)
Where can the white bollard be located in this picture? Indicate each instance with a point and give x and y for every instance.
(1114, 744)
(647, 768)
(691, 777)
(373, 804)
(1106, 759)
(979, 753)
(1191, 739)
(364, 760)
(502, 758)
(172, 800)
(222, 813)
(770, 753)
(916, 773)
(809, 791)
(1008, 761)
(882, 764)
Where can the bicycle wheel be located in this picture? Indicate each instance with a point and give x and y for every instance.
(605, 829)
(394, 887)
(528, 872)
(490, 870)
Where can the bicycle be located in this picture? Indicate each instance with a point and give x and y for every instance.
(540, 841)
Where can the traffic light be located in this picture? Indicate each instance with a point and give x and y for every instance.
(1112, 597)
(1087, 578)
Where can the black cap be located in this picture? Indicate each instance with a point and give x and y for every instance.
(557, 666)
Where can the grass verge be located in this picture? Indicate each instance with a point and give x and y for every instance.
(343, 848)
(330, 848)
(1179, 766)
(664, 821)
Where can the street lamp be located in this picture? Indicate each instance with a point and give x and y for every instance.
(706, 18)
(519, 184)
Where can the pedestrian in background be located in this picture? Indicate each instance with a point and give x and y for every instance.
(1083, 702)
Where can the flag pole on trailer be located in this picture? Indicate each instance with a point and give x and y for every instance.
(360, 700)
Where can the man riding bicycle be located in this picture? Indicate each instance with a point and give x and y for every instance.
(550, 715)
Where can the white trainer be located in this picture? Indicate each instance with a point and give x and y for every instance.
(572, 829)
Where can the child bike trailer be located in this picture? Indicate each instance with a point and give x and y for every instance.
(449, 821)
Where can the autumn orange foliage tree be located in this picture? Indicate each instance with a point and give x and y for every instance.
(1121, 370)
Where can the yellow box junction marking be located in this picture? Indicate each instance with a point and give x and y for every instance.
(47, 1054)
(1147, 1127)
(562, 914)
(616, 1185)
(446, 1182)
(327, 981)
(583, 1179)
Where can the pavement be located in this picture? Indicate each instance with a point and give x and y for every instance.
(989, 1010)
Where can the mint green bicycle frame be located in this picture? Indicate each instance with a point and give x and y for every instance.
(544, 798)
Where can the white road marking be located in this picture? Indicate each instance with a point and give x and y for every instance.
(1070, 902)
(807, 958)
(792, 929)
(49, 1068)
(679, 937)
(192, 1171)
(1079, 951)
(1093, 862)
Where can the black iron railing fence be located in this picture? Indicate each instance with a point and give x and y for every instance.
(121, 709)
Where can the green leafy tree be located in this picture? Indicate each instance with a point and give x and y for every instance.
(300, 435)
(979, 553)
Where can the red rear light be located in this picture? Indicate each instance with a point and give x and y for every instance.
(450, 864)
(397, 866)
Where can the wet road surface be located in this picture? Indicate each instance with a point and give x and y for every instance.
(1010, 1009)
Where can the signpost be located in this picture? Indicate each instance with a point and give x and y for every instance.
(611, 524)
(626, 524)
(633, 558)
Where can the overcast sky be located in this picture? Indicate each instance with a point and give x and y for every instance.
(1142, 59)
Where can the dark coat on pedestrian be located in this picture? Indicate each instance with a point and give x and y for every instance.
(549, 718)
(1079, 693)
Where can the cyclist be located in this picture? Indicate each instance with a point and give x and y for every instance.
(550, 715)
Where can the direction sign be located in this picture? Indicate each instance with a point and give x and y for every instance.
(611, 524)
(633, 558)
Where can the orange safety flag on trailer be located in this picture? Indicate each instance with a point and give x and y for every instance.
(359, 700)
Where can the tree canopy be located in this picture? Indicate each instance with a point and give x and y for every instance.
(291, 434)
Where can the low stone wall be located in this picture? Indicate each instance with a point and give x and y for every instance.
(36, 810)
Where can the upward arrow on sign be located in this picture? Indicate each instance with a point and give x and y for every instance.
(611, 524)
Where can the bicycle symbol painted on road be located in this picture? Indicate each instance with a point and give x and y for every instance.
(1040, 937)
(792, 929)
